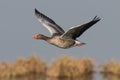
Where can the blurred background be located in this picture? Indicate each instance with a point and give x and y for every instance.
(18, 23)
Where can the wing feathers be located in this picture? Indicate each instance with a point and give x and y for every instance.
(49, 23)
(75, 32)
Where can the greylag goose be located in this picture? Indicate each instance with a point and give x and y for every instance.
(59, 37)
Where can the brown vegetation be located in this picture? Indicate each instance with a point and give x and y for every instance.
(110, 77)
(66, 66)
(31, 65)
(111, 67)
(84, 77)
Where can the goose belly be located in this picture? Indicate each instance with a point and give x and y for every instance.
(62, 43)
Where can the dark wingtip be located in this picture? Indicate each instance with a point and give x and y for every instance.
(36, 11)
(96, 18)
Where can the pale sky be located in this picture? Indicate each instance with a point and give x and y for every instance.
(18, 23)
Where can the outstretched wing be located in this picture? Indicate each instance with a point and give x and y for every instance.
(75, 32)
(49, 23)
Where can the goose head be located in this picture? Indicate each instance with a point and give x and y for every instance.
(39, 36)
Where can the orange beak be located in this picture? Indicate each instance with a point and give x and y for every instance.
(34, 36)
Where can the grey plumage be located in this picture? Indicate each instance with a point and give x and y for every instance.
(49, 23)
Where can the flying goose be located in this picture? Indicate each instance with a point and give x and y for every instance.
(59, 37)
